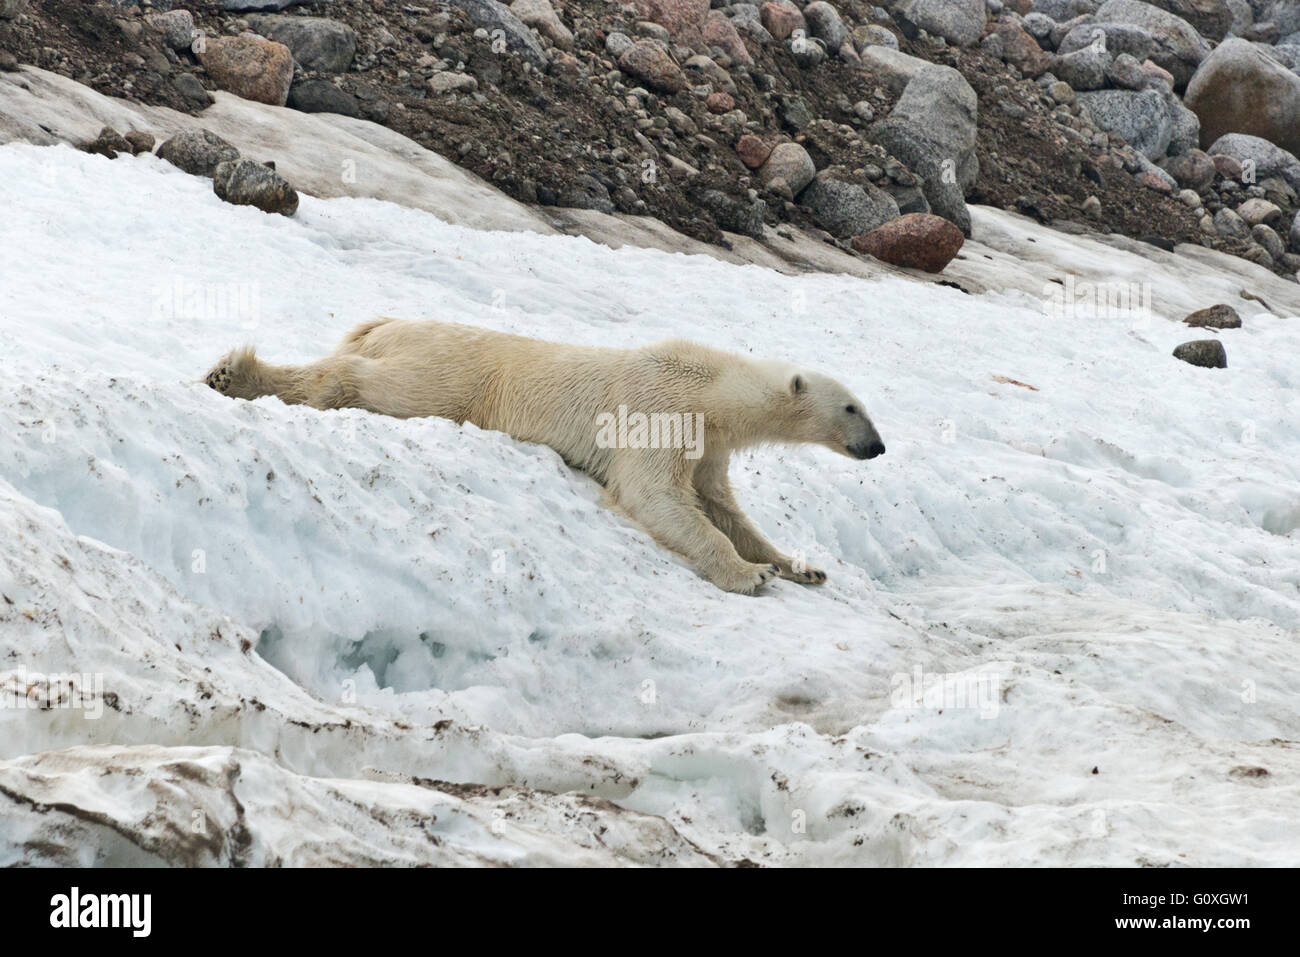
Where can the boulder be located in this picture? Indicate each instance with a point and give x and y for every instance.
(541, 16)
(1192, 170)
(197, 151)
(1212, 19)
(1178, 47)
(932, 130)
(914, 241)
(734, 215)
(1241, 89)
(175, 26)
(1141, 117)
(1221, 316)
(249, 67)
(1020, 49)
(1208, 353)
(825, 24)
(1256, 211)
(720, 32)
(958, 21)
(315, 42)
(246, 183)
(789, 162)
(781, 19)
(1084, 69)
(519, 40)
(1114, 38)
(846, 209)
(891, 67)
(1256, 159)
(322, 96)
(650, 63)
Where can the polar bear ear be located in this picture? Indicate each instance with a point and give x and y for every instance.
(797, 384)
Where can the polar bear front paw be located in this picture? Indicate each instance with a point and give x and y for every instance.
(803, 574)
(747, 578)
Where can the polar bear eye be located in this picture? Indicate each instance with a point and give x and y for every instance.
(851, 409)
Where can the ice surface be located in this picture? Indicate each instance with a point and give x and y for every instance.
(333, 636)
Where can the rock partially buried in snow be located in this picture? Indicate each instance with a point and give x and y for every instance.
(198, 152)
(109, 143)
(250, 67)
(1208, 353)
(1221, 316)
(246, 183)
(916, 241)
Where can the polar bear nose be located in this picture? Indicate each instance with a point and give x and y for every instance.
(867, 450)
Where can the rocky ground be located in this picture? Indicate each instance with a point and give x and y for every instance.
(1088, 115)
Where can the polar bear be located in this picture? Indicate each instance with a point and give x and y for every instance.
(656, 425)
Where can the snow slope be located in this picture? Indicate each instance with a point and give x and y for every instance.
(335, 637)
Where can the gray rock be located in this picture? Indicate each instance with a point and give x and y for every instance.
(315, 42)
(520, 40)
(1114, 38)
(825, 24)
(735, 215)
(957, 21)
(1221, 316)
(1229, 225)
(1269, 239)
(1208, 353)
(191, 90)
(246, 183)
(846, 209)
(1184, 127)
(874, 35)
(1065, 9)
(1039, 26)
(1192, 170)
(1084, 69)
(588, 193)
(1255, 211)
(242, 5)
(109, 143)
(745, 17)
(322, 96)
(1260, 159)
(616, 44)
(808, 52)
(1212, 19)
(891, 67)
(12, 9)
(932, 130)
(789, 162)
(197, 151)
(1178, 47)
(1141, 117)
(175, 26)
(1293, 236)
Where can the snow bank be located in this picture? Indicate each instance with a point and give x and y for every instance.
(344, 613)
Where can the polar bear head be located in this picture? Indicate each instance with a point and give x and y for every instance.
(824, 412)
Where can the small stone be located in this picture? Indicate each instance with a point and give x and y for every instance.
(753, 151)
(1220, 316)
(246, 183)
(141, 142)
(1208, 353)
(108, 143)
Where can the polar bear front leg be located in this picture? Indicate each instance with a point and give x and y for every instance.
(672, 516)
(720, 506)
